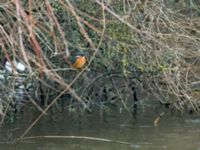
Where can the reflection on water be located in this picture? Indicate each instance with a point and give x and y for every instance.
(174, 132)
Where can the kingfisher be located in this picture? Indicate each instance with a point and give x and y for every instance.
(78, 60)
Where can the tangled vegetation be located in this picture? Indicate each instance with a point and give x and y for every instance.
(151, 45)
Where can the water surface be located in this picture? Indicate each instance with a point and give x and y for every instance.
(174, 131)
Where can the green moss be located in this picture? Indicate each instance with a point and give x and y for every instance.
(119, 31)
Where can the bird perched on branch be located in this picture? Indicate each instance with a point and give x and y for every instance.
(77, 61)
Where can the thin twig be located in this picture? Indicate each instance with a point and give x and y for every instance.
(78, 137)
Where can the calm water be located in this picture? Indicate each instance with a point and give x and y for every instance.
(174, 132)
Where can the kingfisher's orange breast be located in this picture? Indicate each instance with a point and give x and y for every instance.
(80, 62)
